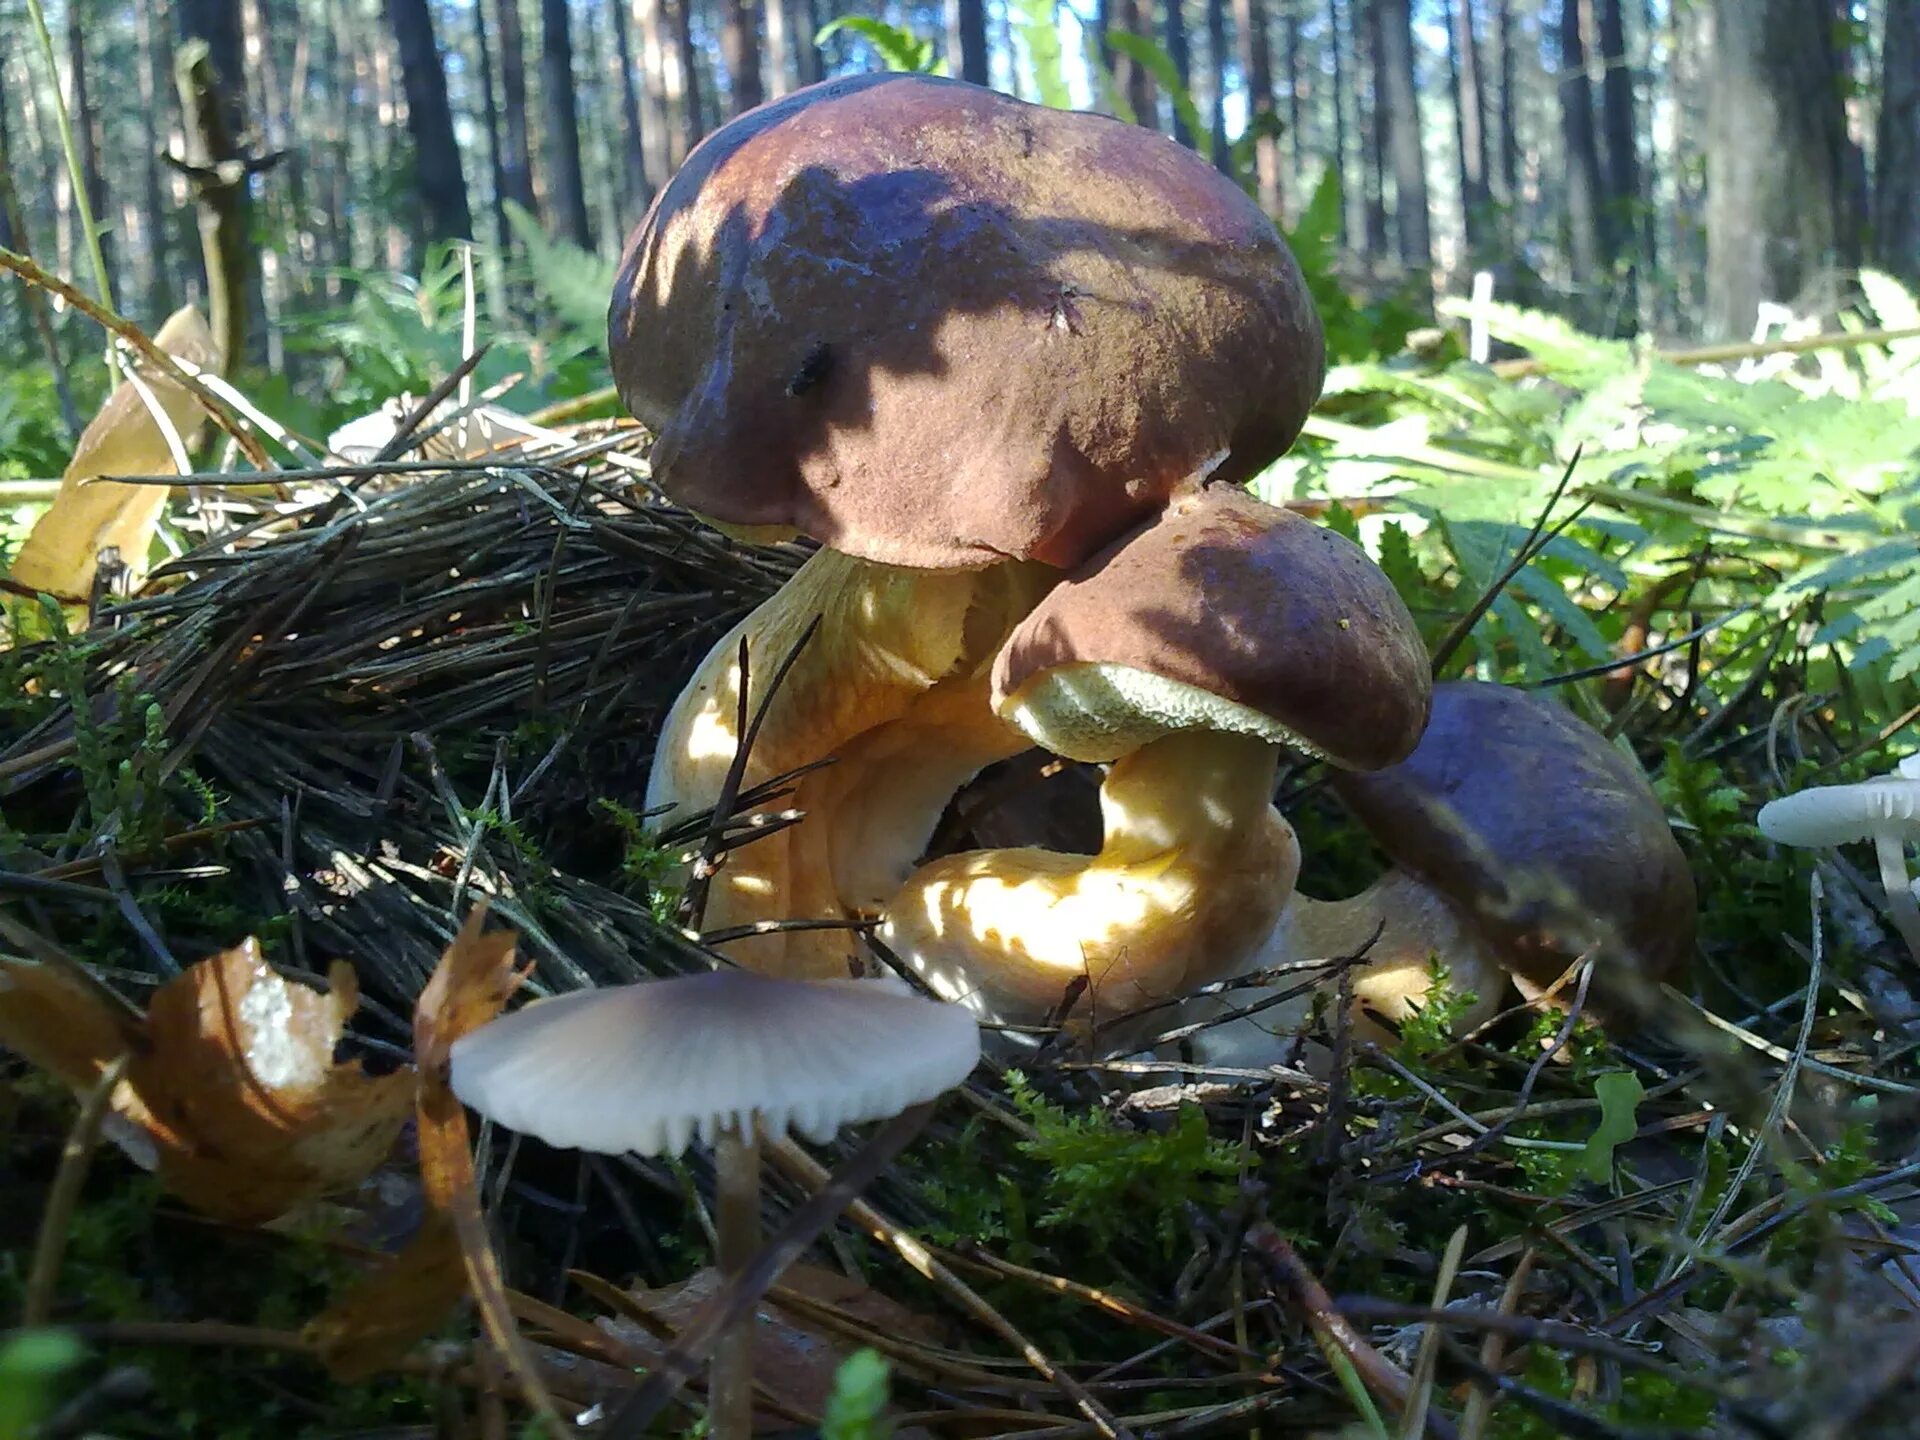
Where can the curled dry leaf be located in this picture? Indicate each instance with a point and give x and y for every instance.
(402, 1300)
(468, 988)
(60, 555)
(232, 1088)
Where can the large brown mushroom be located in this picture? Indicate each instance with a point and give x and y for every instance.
(1187, 654)
(959, 340)
(1523, 842)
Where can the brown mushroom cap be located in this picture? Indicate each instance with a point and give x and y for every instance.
(1230, 599)
(1545, 833)
(931, 325)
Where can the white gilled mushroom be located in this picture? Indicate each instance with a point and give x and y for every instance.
(960, 340)
(1186, 654)
(1885, 811)
(727, 1056)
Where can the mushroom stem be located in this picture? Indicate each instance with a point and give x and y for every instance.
(1191, 876)
(1397, 923)
(736, 1160)
(1901, 905)
(888, 635)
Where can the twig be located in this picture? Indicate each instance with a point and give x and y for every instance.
(27, 270)
(1414, 1423)
(57, 1219)
(1493, 1352)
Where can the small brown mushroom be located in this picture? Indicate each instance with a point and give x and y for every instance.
(1186, 654)
(1523, 843)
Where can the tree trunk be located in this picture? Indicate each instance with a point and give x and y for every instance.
(516, 160)
(32, 303)
(1216, 15)
(1400, 105)
(566, 187)
(85, 121)
(1470, 112)
(1896, 198)
(660, 91)
(1376, 131)
(1336, 37)
(1181, 55)
(1256, 64)
(1629, 220)
(1774, 182)
(442, 185)
(633, 151)
(155, 240)
(966, 40)
(779, 48)
(1509, 133)
(211, 81)
(813, 68)
(1297, 85)
(490, 114)
(740, 48)
(1130, 77)
(1587, 250)
(693, 121)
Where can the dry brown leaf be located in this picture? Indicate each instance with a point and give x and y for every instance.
(468, 988)
(232, 1085)
(251, 1112)
(59, 1021)
(60, 555)
(397, 1304)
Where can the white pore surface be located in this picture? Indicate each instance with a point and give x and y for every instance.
(1096, 712)
(1842, 814)
(647, 1067)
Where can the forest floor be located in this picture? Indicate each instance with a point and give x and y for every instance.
(354, 709)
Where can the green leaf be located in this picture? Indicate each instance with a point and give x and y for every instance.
(1619, 1093)
(1160, 65)
(859, 1400)
(898, 48)
(30, 1363)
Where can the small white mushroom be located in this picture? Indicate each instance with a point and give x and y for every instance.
(726, 1055)
(1885, 810)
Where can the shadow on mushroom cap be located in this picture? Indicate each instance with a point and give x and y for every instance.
(932, 325)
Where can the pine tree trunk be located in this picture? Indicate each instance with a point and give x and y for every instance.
(1401, 108)
(1587, 249)
(516, 160)
(1336, 38)
(1509, 132)
(693, 118)
(85, 120)
(813, 67)
(1774, 183)
(1180, 52)
(633, 150)
(441, 183)
(659, 91)
(966, 40)
(1376, 131)
(1896, 198)
(1628, 218)
(1297, 86)
(30, 302)
(1470, 110)
(215, 118)
(566, 187)
(490, 116)
(779, 48)
(156, 247)
(740, 49)
(1130, 77)
(1216, 17)
(1256, 64)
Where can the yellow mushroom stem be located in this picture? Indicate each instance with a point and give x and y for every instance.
(1193, 871)
(1399, 924)
(889, 639)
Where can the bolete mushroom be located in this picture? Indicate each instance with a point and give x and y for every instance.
(728, 1056)
(957, 339)
(1885, 810)
(1187, 654)
(1522, 842)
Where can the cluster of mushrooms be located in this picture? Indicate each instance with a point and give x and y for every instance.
(1009, 367)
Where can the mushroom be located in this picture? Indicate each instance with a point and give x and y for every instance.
(728, 1056)
(1885, 811)
(1187, 654)
(1523, 841)
(960, 340)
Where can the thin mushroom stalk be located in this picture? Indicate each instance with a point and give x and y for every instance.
(736, 1162)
